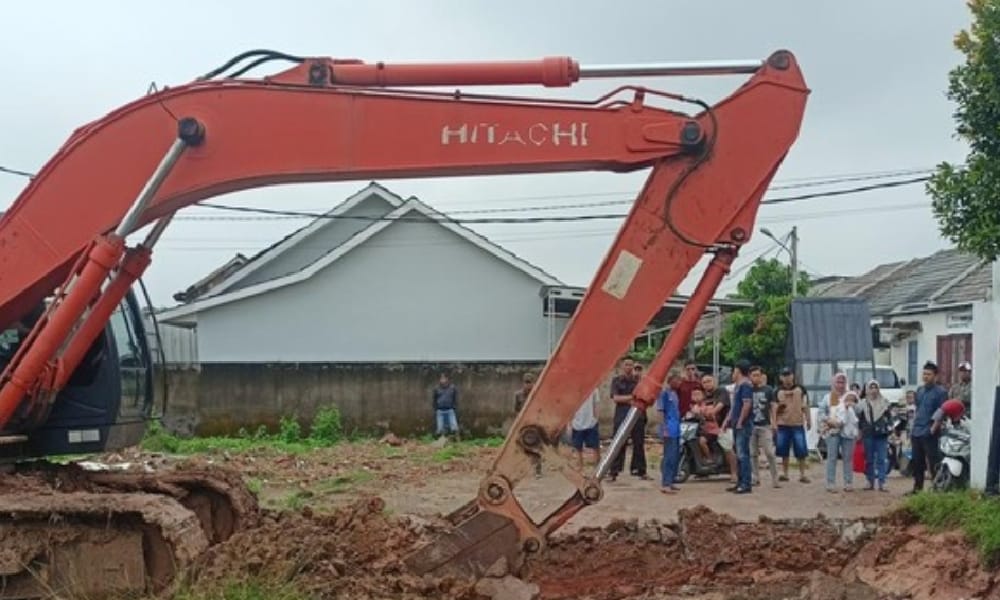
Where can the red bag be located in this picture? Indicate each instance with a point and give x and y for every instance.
(859, 456)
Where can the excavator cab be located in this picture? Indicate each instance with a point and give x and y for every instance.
(108, 398)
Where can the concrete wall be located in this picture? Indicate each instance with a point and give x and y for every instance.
(222, 398)
(414, 292)
(986, 377)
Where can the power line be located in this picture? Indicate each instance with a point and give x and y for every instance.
(525, 237)
(753, 260)
(774, 219)
(818, 181)
(864, 188)
(10, 171)
(630, 199)
(545, 219)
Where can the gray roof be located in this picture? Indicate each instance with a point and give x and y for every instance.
(366, 210)
(947, 277)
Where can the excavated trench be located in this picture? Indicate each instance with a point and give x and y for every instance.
(357, 552)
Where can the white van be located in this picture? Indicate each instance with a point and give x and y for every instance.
(885, 375)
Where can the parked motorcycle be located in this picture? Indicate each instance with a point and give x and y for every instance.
(956, 447)
(691, 462)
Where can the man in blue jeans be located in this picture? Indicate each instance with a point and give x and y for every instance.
(742, 426)
(793, 419)
(445, 402)
(670, 431)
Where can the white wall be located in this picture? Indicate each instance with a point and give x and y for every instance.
(180, 344)
(413, 292)
(934, 325)
(986, 376)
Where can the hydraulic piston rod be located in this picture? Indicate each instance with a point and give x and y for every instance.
(553, 71)
(33, 366)
(722, 67)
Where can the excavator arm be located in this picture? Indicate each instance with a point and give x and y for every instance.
(326, 120)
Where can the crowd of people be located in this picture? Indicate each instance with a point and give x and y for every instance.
(751, 418)
(738, 423)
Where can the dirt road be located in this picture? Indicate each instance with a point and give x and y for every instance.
(423, 478)
(629, 497)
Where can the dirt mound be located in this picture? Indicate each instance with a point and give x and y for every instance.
(704, 551)
(711, 556)
(910, 562)
(355, 552)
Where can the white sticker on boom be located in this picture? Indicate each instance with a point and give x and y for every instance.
(622, 274)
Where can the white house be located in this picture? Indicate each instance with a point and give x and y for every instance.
(379, 279)
(921, 309)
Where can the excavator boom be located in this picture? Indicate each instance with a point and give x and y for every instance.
(328, 120)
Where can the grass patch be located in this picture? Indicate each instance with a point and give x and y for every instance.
(486, 442)
(977, 517)
(325, 431)
(450, 452)
(343, 483)
(255, 485)
(242, 590)
(391, 452)
(296, 500)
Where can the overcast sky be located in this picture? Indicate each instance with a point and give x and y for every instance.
(877, 71)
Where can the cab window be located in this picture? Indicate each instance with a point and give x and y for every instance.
(131, 361)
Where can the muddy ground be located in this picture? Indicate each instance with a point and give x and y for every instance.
(340, 520)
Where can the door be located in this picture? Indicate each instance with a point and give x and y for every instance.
(951, 351)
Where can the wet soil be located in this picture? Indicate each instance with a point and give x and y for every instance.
(357, 552)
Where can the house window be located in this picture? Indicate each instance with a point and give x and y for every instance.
(912, 359)
(959, 320)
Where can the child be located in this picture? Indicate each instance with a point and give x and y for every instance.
(845, 418)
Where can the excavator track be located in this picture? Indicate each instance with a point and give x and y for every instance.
(145, 527)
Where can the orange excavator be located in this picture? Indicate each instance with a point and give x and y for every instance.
(76, 370)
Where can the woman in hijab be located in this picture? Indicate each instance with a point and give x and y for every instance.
(838, 446)
(876, 425)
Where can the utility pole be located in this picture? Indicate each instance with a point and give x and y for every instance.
(793, 254)
(795, 260)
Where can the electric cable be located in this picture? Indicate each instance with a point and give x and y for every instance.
(16, 172)
(539, 219)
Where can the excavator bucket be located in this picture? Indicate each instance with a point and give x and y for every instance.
(485, 542)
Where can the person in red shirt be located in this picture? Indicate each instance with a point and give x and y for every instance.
(691, 382)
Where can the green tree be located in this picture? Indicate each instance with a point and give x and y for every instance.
(758, 333)
(966, 198)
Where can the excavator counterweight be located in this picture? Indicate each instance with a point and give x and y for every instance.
(68, 268)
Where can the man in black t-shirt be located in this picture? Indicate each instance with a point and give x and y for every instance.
(622, 388)
(763, 415)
